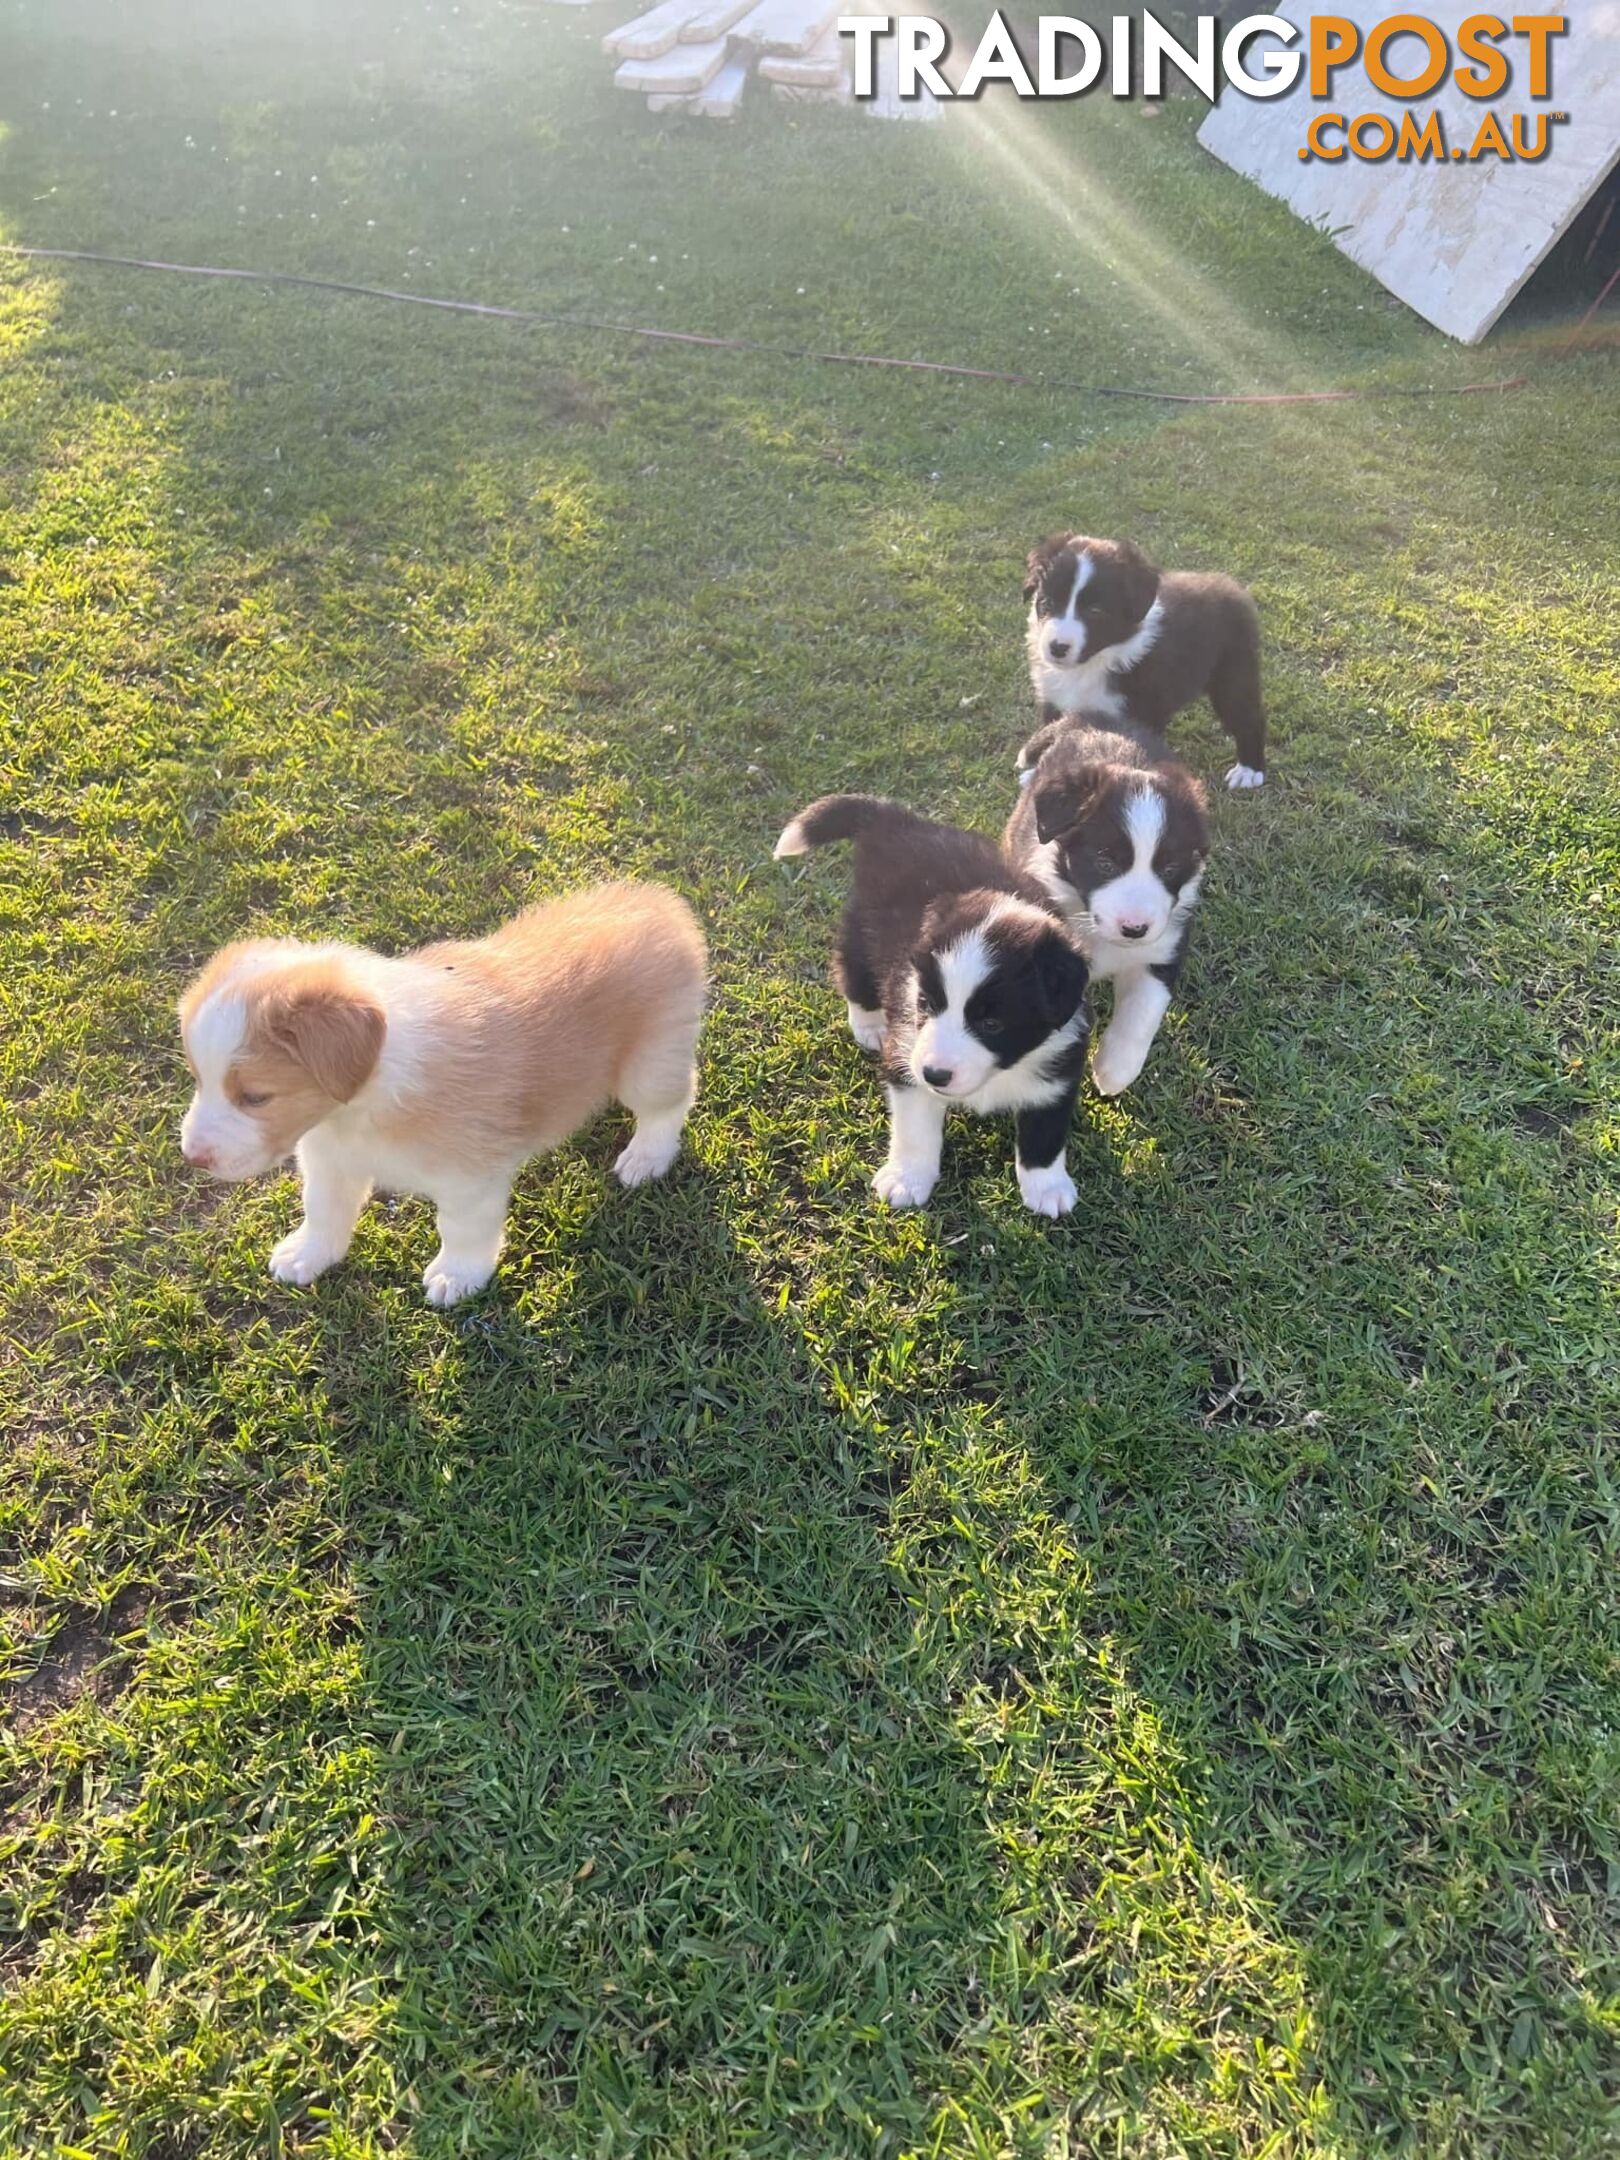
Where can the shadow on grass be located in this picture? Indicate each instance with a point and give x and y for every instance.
(713, 1790)
(1348, 1539)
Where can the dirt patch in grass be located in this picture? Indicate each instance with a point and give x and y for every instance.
(83, 1658)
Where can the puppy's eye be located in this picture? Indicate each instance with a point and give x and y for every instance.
(1109, 865)
(988, 1028)
(252, 1098)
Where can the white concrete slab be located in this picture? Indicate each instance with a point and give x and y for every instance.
(786, 26)
(1454, 239)
(680, 71)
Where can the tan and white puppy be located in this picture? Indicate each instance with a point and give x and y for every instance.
(444, 1071)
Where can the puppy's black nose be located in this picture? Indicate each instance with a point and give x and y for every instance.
(1058, 649)
(1133, 929)
(936, 1075)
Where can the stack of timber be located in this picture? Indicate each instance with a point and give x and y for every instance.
(698, 56)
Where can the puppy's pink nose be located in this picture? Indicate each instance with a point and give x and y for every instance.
(1134, 929)
(198, 1154)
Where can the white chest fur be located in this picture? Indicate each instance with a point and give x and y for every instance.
(1087, 686)
(1086, 691)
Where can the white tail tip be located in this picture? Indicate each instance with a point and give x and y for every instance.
(792, 842)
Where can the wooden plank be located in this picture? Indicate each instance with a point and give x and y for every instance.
(808, 94)
(821, 68)
(785, 26)
(713, 19)
(681, 70)
(652, 33)
(719, 99)
(1454, 239)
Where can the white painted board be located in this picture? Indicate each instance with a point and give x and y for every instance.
(786, 26)
(1454, 240)
(680, 71)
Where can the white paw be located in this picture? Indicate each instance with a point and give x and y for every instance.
(1048, 1191)
(647, 1156)
(1244, 776)
(904, 1187)
(447, 1281)
(866, 1025)
(1112, 1071)
(302, 1255)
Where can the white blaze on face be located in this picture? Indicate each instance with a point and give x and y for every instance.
(1066, 633)
(1138, 899)
(944, 1044)
(214, 1133)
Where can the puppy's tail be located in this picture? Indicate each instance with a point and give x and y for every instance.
(835, 817)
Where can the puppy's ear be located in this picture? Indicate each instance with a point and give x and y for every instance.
(1061, 972)
(1062, 800)
(1142, 577)
(333, 1031)
(1040, 559)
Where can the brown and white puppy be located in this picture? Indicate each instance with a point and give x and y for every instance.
(1116, 640)
(442, 1072)
(960, 975)
(1114, 828)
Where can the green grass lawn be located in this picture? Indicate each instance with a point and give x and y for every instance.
(773, 1677)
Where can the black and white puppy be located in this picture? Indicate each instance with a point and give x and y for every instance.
(960, 974)
(1112, 638)
(1113, 826)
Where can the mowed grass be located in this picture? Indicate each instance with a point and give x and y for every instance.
(772, 1677)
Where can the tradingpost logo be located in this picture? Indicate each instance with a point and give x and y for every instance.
(1501, 64)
